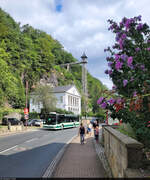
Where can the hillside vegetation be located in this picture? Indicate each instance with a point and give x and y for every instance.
(30, 54)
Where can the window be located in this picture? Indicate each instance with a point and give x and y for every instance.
(61, 99)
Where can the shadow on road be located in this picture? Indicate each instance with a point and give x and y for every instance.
(26, 162)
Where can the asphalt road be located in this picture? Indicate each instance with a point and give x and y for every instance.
(29, 154)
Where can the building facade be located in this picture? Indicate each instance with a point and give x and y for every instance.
(68, 98)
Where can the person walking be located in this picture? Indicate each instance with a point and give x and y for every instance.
(94, 127)
(82, 133)
(97, 133)
(89, 129)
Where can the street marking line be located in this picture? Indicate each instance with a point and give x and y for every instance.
(31, 140)
(8, 149)
(49, 171)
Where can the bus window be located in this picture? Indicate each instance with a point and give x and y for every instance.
(61, 119)
(51, 119)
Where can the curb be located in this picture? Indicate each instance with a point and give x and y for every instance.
(50, 169)
(16, 132)
(101, 154)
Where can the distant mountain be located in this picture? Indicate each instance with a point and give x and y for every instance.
(31, 54)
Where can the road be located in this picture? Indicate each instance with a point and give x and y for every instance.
(29, 154)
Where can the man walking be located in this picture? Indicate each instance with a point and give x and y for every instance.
(82, 133)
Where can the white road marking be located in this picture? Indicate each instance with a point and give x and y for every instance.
(8, 149)
(31, 140)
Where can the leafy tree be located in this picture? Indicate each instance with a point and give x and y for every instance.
(44, 94)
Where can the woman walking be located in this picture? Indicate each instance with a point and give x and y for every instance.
(82, 133)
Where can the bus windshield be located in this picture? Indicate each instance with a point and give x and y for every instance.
(51, 119)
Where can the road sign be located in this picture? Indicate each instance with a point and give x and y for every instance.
(26, 111)
(26, 116)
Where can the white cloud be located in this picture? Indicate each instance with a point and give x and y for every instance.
(80, 26)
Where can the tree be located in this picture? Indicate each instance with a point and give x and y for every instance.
(44, 94)
(129, 65)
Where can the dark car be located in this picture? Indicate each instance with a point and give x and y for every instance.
(12, 121)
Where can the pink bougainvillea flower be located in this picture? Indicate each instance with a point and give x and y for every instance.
(103, 105)
(123, 36)
(125, 82)
(137, 49)
(111, 101)
(140, 26)
(100, 100)
(124, 57)
(114, 87)
(148, 48)
(110, 64)
(134, 94)
(129, 61)
(117, 56)
(121, 43)
(110, 72)
(119, 100)
(118, 65)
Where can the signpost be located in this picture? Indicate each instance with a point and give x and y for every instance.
(26, 114)
(26, 111)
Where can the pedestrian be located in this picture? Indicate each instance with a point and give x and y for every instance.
(94, 127)
(89, 129)
(82, 133)
(97, 133)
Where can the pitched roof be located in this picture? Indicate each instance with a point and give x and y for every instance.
(62, 88)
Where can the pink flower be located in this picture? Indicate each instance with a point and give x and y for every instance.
(137, 49)
(121, 43)
(100, 100)
(103, 105)
(125, 82)
(111, 101)
(118, 65)
(129, 61)
(148, 48)
(134, 94)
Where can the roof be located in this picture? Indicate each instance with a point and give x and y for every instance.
(62, 88)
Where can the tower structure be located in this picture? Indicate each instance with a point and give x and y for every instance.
(84, 81)
(84, 78)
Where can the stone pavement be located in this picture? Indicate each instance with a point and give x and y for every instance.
(80, 161)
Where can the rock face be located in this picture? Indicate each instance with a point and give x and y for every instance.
(52, 80)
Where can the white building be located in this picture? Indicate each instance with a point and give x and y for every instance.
(68, 98)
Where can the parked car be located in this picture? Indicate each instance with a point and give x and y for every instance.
(31, 122)
(12, 121)
(35, 122)
(38, 122)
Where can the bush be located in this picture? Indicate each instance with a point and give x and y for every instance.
(34, 115)
(126, 129)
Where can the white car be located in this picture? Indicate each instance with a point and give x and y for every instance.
(38, 122)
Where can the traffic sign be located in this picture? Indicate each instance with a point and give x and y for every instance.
(26, 111)
(26, 116)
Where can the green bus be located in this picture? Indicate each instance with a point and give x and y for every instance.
(60, 121)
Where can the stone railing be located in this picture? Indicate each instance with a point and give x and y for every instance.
(123, 153)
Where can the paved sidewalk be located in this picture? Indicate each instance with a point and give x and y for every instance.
(80, 161)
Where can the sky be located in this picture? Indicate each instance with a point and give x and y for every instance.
(79, 25)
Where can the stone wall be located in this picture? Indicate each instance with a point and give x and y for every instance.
(123, 153)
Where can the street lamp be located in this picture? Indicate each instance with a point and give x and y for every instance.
(84, 80)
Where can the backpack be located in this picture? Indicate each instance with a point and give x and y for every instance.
(82, 130)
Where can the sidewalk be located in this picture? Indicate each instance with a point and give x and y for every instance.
(80, 161)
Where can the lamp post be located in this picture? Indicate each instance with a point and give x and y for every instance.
(84, 81)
